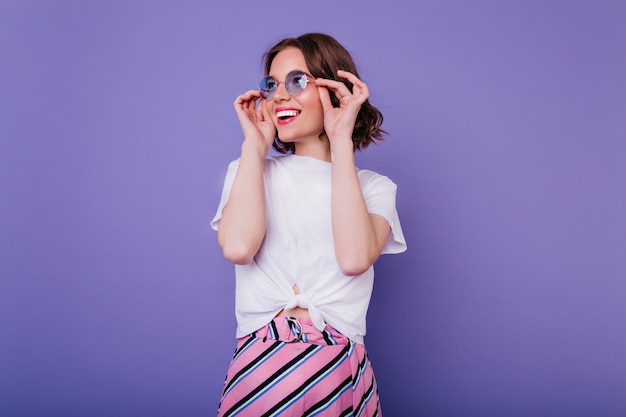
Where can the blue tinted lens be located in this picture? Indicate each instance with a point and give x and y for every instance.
(267, 86)
(296, 82)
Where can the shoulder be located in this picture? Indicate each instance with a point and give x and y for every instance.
(234, 163)
(270, 161)
(275, 160)
(369, 179)
(277, 164)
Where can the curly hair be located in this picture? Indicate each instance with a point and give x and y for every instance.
(324, 55)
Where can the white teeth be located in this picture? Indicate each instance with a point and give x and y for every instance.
(287, 113)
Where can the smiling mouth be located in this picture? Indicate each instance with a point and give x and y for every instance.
(285, 116)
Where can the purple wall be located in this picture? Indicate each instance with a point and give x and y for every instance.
(508, 143)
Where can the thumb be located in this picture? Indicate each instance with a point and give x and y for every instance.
(325, 98)
(263, 112)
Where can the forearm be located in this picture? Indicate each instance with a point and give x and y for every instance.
(354, 234)
(242, 226)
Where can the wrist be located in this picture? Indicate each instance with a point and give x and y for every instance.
(342, 146)
(255, 147)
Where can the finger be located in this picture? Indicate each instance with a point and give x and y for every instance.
(251, 104)
(246, 102)
(325, 98)
(263, 111)
(247, 96)
(339, 88)
(348, 75)
(360, 88)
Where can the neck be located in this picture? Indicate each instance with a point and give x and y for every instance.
(318, 150)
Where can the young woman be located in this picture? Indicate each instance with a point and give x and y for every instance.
(303, 230)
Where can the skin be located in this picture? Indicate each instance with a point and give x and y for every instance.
(358, 236)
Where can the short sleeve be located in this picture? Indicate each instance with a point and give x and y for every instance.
(380, 197)
(228, 184)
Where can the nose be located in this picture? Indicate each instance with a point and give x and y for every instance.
(281, 93)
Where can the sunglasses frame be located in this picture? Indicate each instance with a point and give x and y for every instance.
(268, 94)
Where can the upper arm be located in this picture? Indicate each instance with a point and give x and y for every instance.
(382, 230)
(380, 197)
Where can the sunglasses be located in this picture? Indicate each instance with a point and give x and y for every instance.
(295, 83)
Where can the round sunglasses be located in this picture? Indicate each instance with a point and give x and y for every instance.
(295, 83)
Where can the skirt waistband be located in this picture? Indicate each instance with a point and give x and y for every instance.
(294, 330)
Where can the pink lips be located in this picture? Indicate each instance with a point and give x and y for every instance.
(286, 115)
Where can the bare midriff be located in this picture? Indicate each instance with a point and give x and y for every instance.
(297, 312)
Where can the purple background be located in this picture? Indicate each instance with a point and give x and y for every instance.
(508, 128)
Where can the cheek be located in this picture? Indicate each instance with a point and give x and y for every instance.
(318, 118)
(312, 105)
(315, 105)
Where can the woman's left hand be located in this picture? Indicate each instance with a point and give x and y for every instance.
(339, 121)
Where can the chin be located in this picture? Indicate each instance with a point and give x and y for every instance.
(286, 139)
(291, 137)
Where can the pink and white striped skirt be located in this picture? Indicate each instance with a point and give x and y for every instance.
(289, 368)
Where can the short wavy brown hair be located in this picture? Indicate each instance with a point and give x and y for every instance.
(324, 56)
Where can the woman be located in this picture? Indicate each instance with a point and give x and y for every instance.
(303, 230)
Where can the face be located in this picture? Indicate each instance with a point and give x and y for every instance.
(299, 118)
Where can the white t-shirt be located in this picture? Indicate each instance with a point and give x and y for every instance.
(298, 248)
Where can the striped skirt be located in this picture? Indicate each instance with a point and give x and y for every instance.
(289, 368)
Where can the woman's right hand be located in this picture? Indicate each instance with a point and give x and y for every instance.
(256, 122)
(242, 227)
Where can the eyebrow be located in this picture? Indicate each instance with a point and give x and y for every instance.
(289, 72)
